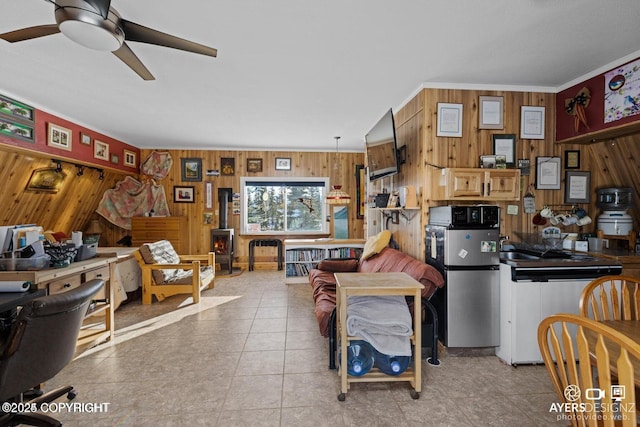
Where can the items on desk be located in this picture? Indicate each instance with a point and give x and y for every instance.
(14, 286)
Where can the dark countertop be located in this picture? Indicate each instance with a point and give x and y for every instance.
(621, 255)
(577, 259)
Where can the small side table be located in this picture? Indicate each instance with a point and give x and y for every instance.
(348, 284)
(265, 242)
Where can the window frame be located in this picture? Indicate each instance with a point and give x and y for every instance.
(243, 196)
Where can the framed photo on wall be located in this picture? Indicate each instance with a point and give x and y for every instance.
(548, 173)
(577, 187)
(505, 145)
(59, 137)
(491, 112)
(449, 120)
(129, 158)
(100, 150)
(283, 163)
(228, 166)
(572, 159)
(254, 165)
(531, 122)
(183, 194)
(191, 169)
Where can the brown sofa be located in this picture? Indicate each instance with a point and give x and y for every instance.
(388, 259)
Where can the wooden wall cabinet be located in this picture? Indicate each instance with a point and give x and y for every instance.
(151, 229)
(475, 184)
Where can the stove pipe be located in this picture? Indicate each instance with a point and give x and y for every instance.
(224, 197)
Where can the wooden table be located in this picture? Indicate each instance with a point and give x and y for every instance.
(631, 329)
(371, 284)
(57, 280)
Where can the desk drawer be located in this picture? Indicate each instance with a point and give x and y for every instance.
(99, 273)
(64, 284)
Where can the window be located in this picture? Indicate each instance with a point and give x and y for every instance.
(284, 205)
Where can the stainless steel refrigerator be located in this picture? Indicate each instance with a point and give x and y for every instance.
(468, 305)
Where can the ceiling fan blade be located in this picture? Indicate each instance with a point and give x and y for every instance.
(138, 33)
(100, 5)
(127, 56)
(30, 33)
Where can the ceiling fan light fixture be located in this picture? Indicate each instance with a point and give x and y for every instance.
(89, 29)
(88, 35)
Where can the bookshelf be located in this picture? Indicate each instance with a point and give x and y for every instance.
(303, 255)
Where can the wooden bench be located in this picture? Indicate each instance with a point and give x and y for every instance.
(165, 273)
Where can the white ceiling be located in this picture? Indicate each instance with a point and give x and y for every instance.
(291, 75)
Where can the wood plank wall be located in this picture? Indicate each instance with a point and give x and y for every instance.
(337, 166)
(612, 163)
(417, 126)
(71, 209)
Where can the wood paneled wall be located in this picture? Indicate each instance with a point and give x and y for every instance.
(616, 163)
(69, 210)
(339, 167)
(416, 126)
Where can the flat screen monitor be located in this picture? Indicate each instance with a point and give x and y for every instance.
(381, 148)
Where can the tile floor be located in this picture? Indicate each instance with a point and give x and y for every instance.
(250, 354)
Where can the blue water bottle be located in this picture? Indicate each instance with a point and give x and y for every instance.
(391, 365)
(359, 358)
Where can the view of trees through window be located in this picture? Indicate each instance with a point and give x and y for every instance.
(285, 206)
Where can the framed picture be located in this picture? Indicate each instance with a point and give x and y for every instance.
(184, 194)
(488, 162)
(85, 139)
(16, 130)
(548, 173)
(577, 187)
(491, 112)
(129, 158)
(17, 110)
(532, 122)
(58, 137)
(572, 159)
(115, 159)
(449, 120)
(505, 145)
(254, 165)
(228, 166)
(525, 167)
(46, 179)
(283, 163)
(100, 150)
(191, 169)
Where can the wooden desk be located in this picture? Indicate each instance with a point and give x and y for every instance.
(57, 280)
(631, 329)
(348, 284)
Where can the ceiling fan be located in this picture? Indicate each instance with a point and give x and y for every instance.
(96, 25)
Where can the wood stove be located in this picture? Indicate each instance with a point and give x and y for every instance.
(222, 244)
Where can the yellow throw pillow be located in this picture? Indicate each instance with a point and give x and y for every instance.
(375, 244)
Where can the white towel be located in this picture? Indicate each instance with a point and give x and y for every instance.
(384, 321)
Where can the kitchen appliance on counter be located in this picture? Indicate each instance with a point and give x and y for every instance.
(614, 202)
(462, 242)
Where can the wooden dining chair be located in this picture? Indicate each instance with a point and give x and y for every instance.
(576, 350)
(611, 298)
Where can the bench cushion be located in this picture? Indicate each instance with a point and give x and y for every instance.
(162, 252)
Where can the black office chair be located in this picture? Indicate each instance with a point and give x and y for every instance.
(40, 343)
